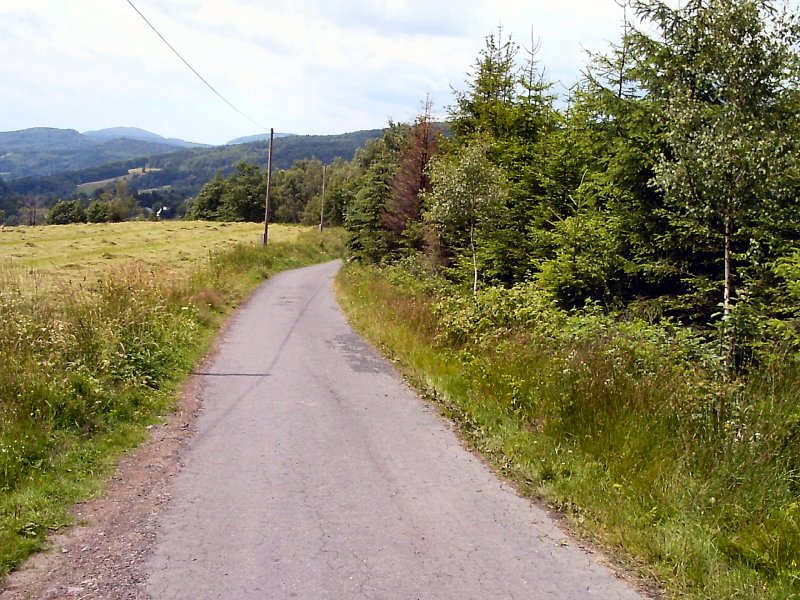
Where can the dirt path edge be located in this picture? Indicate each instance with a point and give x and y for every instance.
(103, 555)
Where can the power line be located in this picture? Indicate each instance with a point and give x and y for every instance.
(193, 70)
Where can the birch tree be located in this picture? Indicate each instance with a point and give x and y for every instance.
(723, 77)
(467, 192)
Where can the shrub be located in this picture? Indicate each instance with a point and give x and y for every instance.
(66, 211)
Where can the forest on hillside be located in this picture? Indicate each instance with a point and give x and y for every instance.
(168, 180)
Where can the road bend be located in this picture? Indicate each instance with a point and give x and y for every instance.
(315, 472)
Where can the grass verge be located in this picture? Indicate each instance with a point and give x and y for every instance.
(688, 478)
(87, 368)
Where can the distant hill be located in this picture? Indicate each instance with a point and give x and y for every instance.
(45, 150)
(186, 171)
(39, 139)
(260, 137)
(134, 133)
(19, 164)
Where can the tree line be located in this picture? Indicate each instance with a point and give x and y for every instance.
(666, 184)
(179, 174)
(113, 202)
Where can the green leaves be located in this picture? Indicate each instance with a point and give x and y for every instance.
(467, 193)
(666, 187)
(66, 211)
(720, 74)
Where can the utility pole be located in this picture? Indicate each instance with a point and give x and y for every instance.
(322, 206)
(265, 239)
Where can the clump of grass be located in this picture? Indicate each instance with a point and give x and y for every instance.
(86, 367)
(634, 430)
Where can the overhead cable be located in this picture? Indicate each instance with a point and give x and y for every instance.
(193, 70)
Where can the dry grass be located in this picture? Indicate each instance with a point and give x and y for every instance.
(91, 186)
(76, 253)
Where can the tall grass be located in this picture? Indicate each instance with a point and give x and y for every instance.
(86, 367)
(687, 475)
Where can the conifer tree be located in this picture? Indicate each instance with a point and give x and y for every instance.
(402, 214)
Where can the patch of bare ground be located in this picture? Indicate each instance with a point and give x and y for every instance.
(103, 556)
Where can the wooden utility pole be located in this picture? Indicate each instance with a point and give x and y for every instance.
(265, 239)
(322, 206)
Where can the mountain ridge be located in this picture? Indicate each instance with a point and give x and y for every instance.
(41, 151)
(48, 151)
(136, 133)
(34, 139)
(188, 169)
(259, 137)
(41, 138)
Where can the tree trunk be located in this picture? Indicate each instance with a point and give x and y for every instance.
(726, 296)
(474, 260)
(729, 333)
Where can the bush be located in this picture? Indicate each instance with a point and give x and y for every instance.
(99, 211)
(65, 212)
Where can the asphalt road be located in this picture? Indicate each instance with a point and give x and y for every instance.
(316, 473)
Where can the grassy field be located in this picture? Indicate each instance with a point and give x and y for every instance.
(110, 321)
(91, 186)
(75, 252)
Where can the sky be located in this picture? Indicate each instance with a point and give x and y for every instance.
(298, 66)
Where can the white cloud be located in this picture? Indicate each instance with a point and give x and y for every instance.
(306, 66)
